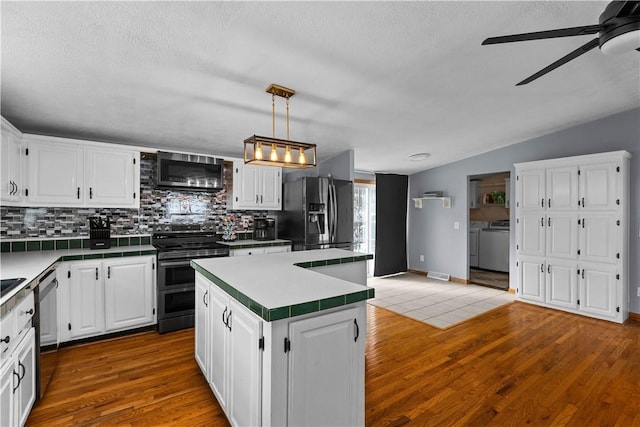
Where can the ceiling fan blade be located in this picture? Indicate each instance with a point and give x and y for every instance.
(550, 34)
(625, 8)
(573, 55)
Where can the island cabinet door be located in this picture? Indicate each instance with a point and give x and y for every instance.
(219, 343)
(202, 341)
(245, 366)
(326, 376)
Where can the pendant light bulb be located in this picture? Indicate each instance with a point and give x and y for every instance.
(258, 151)
(287, 155)
(301, 158)
(274, 153)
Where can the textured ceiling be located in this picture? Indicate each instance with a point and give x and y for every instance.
(387, 79)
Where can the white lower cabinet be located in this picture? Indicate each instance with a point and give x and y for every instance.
(235, 370)
(305, 370)
(18, 382)
(128, 293)
(324, 366)
(598, 285)
(531, 278)
(97, 297)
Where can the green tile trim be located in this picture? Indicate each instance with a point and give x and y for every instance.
(332, 302)
(278, 313)
(31, 245)
(17, 246)
(305, 308)
(113, 255)
(72, 258)
(345, 260)
(93, 256)
(356, 296)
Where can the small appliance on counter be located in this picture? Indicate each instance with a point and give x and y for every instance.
(264, 229)
(99, 233)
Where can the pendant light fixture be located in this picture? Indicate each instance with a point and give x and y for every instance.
(280, 150)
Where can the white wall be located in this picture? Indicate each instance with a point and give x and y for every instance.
(431, 231)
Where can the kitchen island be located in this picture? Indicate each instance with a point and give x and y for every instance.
(280, 337)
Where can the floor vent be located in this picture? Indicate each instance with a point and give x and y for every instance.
(439, 276)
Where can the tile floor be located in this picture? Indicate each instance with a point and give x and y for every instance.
(435, 302)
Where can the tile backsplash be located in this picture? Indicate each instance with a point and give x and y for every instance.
(157, 206)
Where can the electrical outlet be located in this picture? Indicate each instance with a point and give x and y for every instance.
(456, 225)
(422, 260)
(639, 291)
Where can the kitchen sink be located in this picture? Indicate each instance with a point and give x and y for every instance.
(9, 284)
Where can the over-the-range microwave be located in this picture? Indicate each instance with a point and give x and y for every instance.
(187, 171)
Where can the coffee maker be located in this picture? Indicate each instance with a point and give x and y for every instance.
(264, 228)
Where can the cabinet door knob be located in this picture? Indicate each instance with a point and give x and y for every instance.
(30, 311)
(6, 339)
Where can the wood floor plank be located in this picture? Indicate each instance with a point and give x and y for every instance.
(516, 365)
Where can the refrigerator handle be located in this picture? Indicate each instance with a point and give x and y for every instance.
(330, 211)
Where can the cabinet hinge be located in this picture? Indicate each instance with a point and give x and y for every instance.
(578, 272)
(134, 195)
(517, 263)
(154, 311)
(69, 274)
(578, 302)
(236, 198)
(617, 201)
(287, 345)
(517, 247)
(578, 251)
(261, 343)
(26, 151)
(26, 192)
(617, 277)
(578, 171)
(618, 169)
(517, 220)
(134, 160)
(69, 326)
(618, 309)
(236, 170)
(517, 177)
(153, 265)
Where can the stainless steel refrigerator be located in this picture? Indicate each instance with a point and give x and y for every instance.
(317, 213)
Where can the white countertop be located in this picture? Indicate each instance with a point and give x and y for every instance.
(31, 264)
(274, 281)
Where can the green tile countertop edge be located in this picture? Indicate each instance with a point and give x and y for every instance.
(33, 245)
(273, 314)
(334, 261)
(263, 244)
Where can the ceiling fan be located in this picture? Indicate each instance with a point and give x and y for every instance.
(618, 32)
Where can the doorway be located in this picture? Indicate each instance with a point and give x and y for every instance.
(489, 229)
(364, 219)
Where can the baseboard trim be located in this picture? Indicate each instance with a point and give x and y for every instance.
(512, 291)
(459, 280)
(420, 272)
(634, 316)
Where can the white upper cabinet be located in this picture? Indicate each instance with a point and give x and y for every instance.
(256, 187)
(530, 193)
(599, 186)
(111, 178)
(11, 180)
(55, 174)
(562, 188)
(71, 173)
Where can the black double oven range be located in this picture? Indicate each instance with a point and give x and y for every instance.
(177, 245)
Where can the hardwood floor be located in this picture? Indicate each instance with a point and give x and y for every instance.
(518, 364)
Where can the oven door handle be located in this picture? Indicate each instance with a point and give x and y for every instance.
(173, 263)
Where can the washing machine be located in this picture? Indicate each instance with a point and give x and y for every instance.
(474, 241)
(493, 251)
